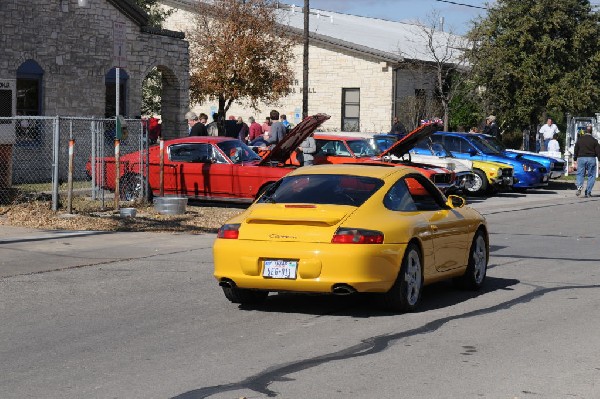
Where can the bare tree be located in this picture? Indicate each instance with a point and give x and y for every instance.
(442, 55)
(239, 53)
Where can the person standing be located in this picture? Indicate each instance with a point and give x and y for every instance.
(285, 122)
(398, 128)
(547, 131)
(584, 160)
(254, 130)
(553, 145)
(266, 126)
(244, 130)
(491, 127)
(277, 131)
(306, 151)
(196, 128)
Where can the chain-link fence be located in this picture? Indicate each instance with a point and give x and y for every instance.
(61, 158)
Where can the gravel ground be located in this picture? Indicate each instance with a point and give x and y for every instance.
(198, 218)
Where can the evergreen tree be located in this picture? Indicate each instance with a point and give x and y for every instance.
(536, 59)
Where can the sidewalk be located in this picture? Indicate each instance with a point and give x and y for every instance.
(25, 250)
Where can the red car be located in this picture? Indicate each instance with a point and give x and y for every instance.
(205, 167)
(335, 148)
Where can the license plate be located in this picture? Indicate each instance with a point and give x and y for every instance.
(278, 268)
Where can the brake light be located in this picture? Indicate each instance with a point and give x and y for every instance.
(229, 231)
(357, 236)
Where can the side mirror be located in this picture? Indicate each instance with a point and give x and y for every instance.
(454, 201)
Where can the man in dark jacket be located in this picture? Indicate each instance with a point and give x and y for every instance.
(398, 128)
(491, 127)
(196, 128)
(584, 160)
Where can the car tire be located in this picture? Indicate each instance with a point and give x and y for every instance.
(244, 296)
(405, 294)
(475, 273)
(480, 183)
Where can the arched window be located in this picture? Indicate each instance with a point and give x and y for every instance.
(29, 102)
(29, 88)
(110, 81)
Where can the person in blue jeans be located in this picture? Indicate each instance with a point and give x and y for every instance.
(584, 159)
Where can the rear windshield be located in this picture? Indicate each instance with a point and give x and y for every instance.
(323, 189)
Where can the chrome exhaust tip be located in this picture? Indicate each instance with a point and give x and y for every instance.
(343, 289)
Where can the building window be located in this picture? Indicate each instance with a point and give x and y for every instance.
(29, 101)
(350, 110)
(421, 104)
(110, 100)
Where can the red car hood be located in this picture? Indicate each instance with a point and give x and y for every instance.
(407, 142)
(283, 150)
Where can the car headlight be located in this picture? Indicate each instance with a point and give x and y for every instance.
(451, 166)
(527, 168)
(551, 165)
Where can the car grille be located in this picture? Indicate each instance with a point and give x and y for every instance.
(543, 170)
(440, 178)
(559, 166)
(505, 172)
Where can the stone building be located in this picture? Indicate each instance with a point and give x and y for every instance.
(59, 57)
(62, 56)
(362, 71)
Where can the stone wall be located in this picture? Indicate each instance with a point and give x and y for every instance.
(74, 46)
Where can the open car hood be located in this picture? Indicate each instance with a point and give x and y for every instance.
(407, 142)
(283, 150)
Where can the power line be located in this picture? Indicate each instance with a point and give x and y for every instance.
(461, 4)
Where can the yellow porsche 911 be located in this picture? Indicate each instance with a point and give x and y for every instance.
(345, 229)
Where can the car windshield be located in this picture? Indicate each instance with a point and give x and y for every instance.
(383, 143)
(237, 151)
(436, 149)
(495, 143)
(483, 145)
(361, 148)
(322, 189)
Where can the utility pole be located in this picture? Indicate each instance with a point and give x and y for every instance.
(305, 61)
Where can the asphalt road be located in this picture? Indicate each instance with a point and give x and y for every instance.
(139, 315)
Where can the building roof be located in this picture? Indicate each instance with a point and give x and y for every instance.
(131, 10)
(388, 41)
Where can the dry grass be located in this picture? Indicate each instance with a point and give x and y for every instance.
(38, 214)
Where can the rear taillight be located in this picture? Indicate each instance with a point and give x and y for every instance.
(357, 236)
(229, 231)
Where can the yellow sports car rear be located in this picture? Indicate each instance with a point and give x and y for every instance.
(345, 229)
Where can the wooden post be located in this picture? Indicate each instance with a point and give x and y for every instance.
(117, 172)
(162, 167)
(70, 177)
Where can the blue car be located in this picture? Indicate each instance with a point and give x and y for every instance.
(555, 166)
(527, 173)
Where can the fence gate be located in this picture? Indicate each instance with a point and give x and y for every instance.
(38, 160)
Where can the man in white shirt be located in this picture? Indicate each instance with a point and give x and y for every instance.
(548, 131)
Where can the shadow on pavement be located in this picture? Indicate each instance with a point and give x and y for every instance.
(434, 296)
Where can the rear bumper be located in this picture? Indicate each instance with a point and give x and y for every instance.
(366, 268)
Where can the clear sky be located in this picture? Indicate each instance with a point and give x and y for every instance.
(456, 16)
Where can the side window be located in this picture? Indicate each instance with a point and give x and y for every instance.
(398, 198)
(425, 196)
(341, 149)
(195, 153)
(453, 144)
